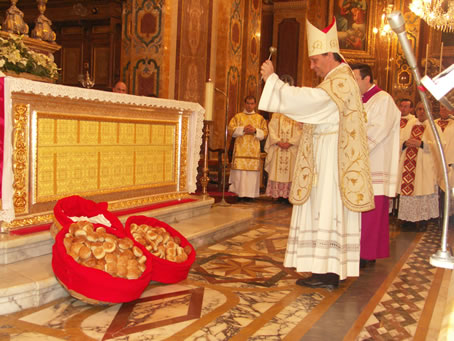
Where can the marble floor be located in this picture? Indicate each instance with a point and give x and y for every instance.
(238, 289)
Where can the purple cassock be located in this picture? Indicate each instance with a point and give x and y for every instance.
(375, 223)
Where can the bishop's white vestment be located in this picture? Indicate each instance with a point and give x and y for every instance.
(324, 234)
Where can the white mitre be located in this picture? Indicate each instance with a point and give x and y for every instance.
(319, 42)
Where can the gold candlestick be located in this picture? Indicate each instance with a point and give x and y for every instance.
(427, 59)
(205, 179)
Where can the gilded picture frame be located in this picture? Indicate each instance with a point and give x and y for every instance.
(355, 21)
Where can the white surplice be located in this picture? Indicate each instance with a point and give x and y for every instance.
(324, 235)
(383, 118)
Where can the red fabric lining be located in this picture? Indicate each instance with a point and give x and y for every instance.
(76, 206)
(326, 29)
(162, 270)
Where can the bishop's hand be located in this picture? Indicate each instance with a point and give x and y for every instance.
(267, 69)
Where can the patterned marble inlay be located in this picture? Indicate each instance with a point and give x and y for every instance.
(397, 315)
(223, 268)
(251, 305)
(281, 324)
(156, 311)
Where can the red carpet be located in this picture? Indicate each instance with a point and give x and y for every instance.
(44, 227)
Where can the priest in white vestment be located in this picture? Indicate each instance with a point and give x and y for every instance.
(331, 183)
(417, 187)
(281, 147)
(445, 127)
(248, 128)
(383, 127)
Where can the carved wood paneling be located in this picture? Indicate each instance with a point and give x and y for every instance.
(287, 50)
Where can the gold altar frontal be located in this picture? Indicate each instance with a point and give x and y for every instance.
(105, 150)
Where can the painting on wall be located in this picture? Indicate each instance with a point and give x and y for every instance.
(354, 26)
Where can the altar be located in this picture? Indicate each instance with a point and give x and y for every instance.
(130, 151)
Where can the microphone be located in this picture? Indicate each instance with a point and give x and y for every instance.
(397, 23)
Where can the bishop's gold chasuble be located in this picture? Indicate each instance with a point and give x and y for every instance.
(246, 153)
(353, 152)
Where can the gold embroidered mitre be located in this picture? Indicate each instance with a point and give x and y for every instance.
(319, 42)
(353, 153)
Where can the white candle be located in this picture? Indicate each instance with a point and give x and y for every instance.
(441, 57)
(427, 59)
(209, 99)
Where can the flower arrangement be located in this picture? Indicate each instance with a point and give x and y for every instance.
(17, 57)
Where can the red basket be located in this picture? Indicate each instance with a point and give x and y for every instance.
(163, 270)
(93, 284)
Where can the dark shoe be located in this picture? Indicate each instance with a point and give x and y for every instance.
(408, 226)
(325, 281)
(282, 200)
(363, 263)
(421, 226)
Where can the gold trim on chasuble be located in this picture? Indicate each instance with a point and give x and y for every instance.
(63, 165)
(353, 152)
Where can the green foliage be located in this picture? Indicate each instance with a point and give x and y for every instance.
(17, 57)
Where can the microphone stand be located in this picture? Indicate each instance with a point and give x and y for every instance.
(223, 203)
(443, 258)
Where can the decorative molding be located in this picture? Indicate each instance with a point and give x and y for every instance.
(183, 154)
(20, 157)
(290, 5)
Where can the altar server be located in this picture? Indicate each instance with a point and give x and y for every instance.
(248, 128)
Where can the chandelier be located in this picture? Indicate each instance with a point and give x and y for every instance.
(438, 14)
(384, 28)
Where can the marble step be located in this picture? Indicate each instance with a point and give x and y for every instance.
(31, 282)
(15, 248)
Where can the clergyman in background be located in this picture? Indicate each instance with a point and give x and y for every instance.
(281, 147)
(383, 128)
(248, 128)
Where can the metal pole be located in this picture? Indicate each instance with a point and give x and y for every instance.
(443, 258)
